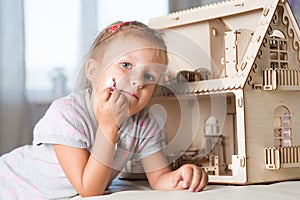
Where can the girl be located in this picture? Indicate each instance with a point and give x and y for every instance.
(86, 138)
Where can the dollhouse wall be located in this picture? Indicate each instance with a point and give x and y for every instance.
(205, 39)
(276, 103)
(259, 115)
(197, 55)
(292, 57)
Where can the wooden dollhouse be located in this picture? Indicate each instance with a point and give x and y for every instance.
(232, 99)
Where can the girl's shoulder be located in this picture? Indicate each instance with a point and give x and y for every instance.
(69, 120)
(77, 103)
(79, 98)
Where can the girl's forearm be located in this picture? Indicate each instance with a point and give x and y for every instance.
(98, 169)
(95, 178)
(88, 176)
(88, 173)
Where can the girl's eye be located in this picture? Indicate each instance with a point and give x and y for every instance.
(126, 65)
(149, 77)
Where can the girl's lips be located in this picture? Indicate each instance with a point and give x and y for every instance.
(129, 93)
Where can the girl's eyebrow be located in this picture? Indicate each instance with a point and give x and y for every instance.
(125, 58)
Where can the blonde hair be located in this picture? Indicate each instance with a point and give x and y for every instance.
(124, 29)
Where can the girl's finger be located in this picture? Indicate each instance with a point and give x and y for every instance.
(105, 95)
(203, 181)
(118, 100)
(101, 97)
(176, 179)
(187, 174)
(196, 180)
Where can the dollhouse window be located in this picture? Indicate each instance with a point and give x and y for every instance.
(278, 50)
(282, 127)
(212, 133)
(211, 127)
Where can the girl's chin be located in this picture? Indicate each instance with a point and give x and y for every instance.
(134, 111)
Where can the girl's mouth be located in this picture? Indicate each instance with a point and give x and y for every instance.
(129, 93)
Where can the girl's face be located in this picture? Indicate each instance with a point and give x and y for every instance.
(134, 73)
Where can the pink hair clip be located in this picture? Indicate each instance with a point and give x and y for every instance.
(115, 27)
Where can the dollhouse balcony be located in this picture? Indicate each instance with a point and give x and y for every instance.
(282, 157)
(281, 79)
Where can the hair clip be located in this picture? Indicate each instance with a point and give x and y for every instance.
(115, 27)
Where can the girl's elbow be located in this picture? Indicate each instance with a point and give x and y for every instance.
(90, 193)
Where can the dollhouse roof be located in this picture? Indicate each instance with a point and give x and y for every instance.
(253, 15)
(210, 86)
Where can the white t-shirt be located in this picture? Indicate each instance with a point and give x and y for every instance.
(33, 171)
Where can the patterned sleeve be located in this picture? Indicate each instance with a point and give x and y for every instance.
(65, 122)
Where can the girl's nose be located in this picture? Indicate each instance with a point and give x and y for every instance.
(137, 79)
(137, 83)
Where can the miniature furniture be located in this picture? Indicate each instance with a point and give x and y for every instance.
(232, 91)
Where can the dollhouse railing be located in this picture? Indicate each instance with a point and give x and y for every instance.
(284, 79)
(282, 157)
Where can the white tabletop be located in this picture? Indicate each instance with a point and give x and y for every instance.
(121, 189)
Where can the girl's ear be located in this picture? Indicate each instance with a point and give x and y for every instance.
(90, 70)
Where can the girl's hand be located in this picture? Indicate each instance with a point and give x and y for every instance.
(111, 109)
(191, 177)
(119, 106)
